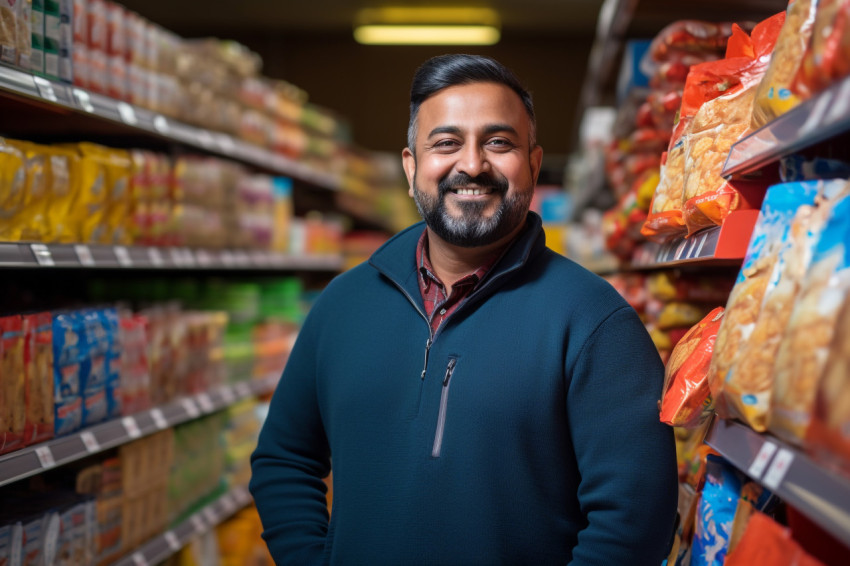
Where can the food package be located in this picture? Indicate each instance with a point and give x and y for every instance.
(104, 197)
(780, 204)
(774, 96)
(686, 398)
(97, 30)
(37, 53)
(767, 542)
(38, 372)
(671, 286)
(707, 197)
(30, 221)
(827, 56)
(63, 182)
(80, 48)
(12, 384)
(752, 375)
(687, 38)
(13, 180)
(805, 344)
(678, 314)
(69, 352)
(715, 513)
(9, 14)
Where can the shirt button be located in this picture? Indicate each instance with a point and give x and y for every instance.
(442, 311)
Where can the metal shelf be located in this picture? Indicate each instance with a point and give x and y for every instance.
(816, 120)
(171, 541)
(33, 460)
(721, 244)
(822, 495)
(64, 96)
(26, 254)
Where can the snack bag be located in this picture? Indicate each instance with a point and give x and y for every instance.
(38, 372)
(715, 512)
(767, 542)
(12, 396)
(752, 375)
(111, 325)
(679, 314)
(13, 179)
(671, 286)
(774, 96)
(104, 195)
(30, 222)
(686, 398)
(707, 197)
(742, 309)
(827, 56)
(119, 199)
(69, 352)
(63, 183)
(805, 345)
(9, 14)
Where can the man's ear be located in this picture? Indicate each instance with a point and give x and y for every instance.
(536, 161)
(408, 161)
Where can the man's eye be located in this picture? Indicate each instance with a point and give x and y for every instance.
(500, 143)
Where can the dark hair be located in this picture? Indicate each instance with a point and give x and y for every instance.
(444, 71)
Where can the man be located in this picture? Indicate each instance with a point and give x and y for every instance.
(483, 399)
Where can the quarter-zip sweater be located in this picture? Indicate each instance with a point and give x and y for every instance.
(523, 431)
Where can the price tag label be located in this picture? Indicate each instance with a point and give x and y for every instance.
(841, 105)
(229, 504)
(42, 255)
(205, 403)
(90, 442)
(225, 143)
(160, 124)
(84, 255)
(205, 139)
(172, 541)
(139, 559)
(123, 256)
(227, 395)
(132, 427)
(83, 100)
(778, 469)
(198, 523)
(765, 453)
(203, 258)
(155, 257)
(227, 258)
(45, 89)
(127, 113)
(210, 515)
(191, 408)
(45, 457)
(176, 257)
(243, 389)
(159, 419)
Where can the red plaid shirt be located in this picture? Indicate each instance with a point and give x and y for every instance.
(438, 307)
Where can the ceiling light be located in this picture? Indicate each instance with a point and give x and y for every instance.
(427, 26)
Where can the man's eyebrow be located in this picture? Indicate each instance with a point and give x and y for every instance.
(488, 130)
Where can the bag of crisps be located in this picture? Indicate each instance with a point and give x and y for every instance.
(38, 373)
(827, 56)
(104, 196)
(13, 179)
(12, 413)
(30, 222)
(63, 183)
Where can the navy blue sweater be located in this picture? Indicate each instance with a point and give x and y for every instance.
(525, 431)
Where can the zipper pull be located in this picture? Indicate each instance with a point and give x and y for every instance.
(449, 370)
(427, 349)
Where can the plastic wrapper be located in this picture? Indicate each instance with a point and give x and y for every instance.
(13, 179)
(38, 372)
(715, 513)
(774, 96)
(9, 14)
(686, 398)
(671, 286)
(12, 384)
(707, 197)
(752, 374)
(69, 352)
(63, 187)
(680, 314)
(30, 222)
(805, 344)
(767, 542)
(663, 106)
(827, 56)
(742, 309)
(687, 37)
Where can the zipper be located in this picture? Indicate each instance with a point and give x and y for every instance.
(441, 417)
(427, 351)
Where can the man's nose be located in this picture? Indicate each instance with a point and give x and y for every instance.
(473, 160)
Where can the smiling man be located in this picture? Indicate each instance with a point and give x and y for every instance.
(483, 399)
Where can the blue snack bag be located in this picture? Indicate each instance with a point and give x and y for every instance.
(715, 513)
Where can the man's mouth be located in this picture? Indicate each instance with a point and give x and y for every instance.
(471, 192)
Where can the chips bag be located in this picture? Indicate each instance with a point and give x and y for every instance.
(12, 396)
(104, 198)
(715, 512)
(767, 542)
(774, 96)
(686, 398)
(742, 309)
(13, 181)
(827, 56)
(38, 372)
(805, 344)
(30, 222)
(707, 197)
(63, 182)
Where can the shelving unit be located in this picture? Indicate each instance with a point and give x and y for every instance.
(33, 460)
(161, 547)
(821, 494)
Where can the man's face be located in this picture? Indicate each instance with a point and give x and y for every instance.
(474, 173)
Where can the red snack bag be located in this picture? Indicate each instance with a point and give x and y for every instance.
(767, 542)
(12, 414)
(38, 375)
(826, 58)
(686, 398)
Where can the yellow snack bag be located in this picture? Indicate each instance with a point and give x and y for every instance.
(119, 205)
(104, 196)
(63, 187)
(30, 222)
(12, 186)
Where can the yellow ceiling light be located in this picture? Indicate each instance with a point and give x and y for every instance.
(451, 25)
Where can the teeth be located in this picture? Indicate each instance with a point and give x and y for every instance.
(470, 192)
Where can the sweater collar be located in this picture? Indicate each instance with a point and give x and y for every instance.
(396, 258)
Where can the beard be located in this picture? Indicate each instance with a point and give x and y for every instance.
(471, 228)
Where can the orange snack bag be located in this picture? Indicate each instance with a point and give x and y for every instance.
(686, 400)
(767, 542)
(827, 57)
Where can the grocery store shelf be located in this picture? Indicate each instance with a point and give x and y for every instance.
(144, 121)
(26, 254)
(823, 496)
(33, 460)
(168, 543)
(720, 244)
(815, 120)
